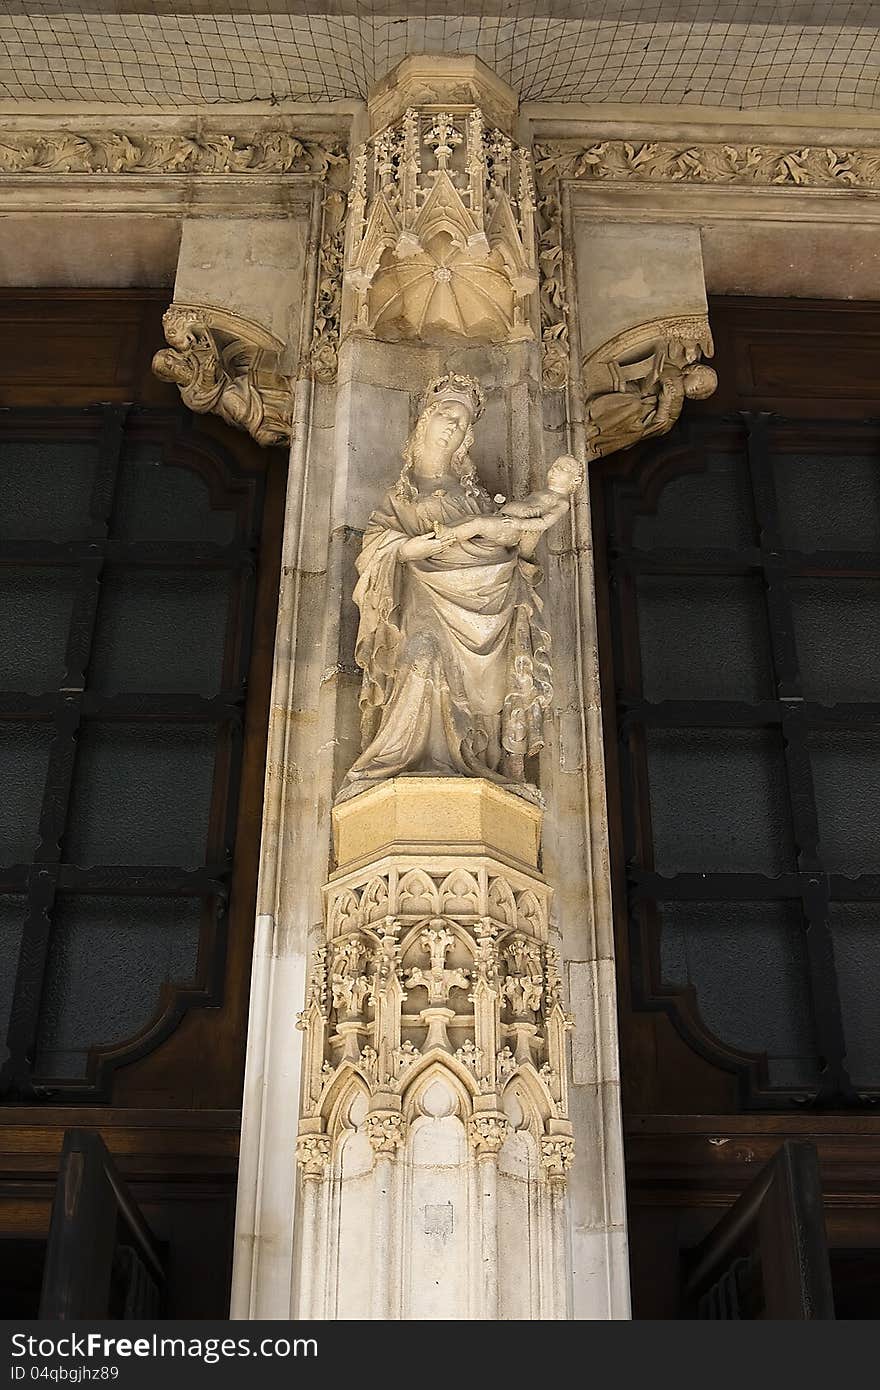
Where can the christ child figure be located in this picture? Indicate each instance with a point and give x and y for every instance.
(532, 515)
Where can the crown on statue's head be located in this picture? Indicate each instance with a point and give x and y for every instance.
(453, 386)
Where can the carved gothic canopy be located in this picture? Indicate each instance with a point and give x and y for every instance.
(441, 231)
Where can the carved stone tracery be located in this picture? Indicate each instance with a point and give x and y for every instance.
(435, 963)
(441, 234)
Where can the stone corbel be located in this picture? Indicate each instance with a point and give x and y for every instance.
(227, 365)
(635, 385)
(642, 328)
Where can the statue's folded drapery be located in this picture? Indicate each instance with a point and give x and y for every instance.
(456, 664)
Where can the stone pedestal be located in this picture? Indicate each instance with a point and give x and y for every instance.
(434, 1130)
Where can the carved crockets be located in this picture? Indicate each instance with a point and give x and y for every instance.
(636, 384)
(441, 234)
(227, 366)
(431, 966)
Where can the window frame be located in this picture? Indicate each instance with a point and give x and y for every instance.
(641, 474)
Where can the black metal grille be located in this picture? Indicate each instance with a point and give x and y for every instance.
(123, 729)
(724, 828)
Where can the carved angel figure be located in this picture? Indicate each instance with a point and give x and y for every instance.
(456, 661)
(226, 378)
(637, 400)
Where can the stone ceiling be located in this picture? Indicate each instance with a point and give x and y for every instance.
(739, 54)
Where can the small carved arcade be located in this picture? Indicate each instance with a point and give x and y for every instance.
(441, 231)
(433, 965)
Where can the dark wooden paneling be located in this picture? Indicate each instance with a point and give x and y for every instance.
(690, 1153)
(78, 347)
(685, 1171)
(796, 357)
(173, 1121)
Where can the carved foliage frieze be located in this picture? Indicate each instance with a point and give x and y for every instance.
(130, 152)
(811, 166)
(324, 350)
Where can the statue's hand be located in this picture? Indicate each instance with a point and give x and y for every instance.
(503, 530)
(461, 531)
(521, 509)
(421, 547)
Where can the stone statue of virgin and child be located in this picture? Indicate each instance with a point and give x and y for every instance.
(455, 659)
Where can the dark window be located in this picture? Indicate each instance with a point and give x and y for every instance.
(743, 555)
(128, 549)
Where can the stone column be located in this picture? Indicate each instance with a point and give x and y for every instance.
(437, 894)
(459, 1161)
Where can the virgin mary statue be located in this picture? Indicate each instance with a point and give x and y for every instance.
(456, 669)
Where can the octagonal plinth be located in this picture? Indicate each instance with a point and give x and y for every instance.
(436, 815)
(448, 82)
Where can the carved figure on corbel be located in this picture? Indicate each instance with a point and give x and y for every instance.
(636, 384)
(225, 365)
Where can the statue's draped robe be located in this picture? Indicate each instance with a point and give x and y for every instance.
(456, 665)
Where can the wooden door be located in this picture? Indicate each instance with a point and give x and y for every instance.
(768, 1256)
(102, 1260)
(139, 564)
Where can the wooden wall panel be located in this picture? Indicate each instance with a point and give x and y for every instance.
(690, 1149)
(173, 1120)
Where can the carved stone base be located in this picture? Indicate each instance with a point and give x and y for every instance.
(435, 1080)
(422, 815)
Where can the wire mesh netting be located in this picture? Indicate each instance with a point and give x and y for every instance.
(733, 53)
